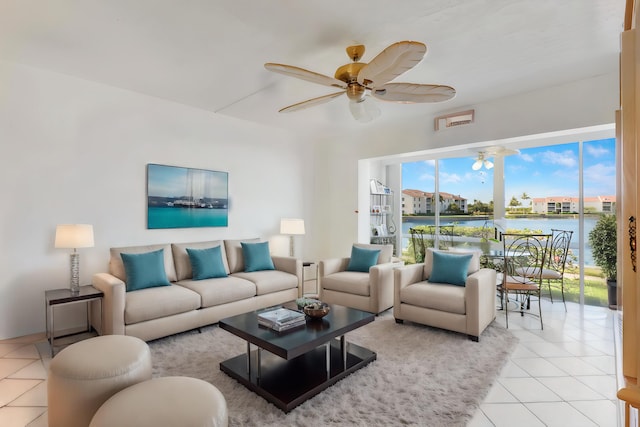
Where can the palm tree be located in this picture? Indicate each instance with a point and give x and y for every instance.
(524, 197)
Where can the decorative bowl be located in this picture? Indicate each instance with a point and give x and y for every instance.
(302, 302)
(317, 310)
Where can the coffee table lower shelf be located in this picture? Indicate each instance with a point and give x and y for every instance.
(288, 383)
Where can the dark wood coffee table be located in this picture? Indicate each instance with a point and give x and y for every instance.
(299, 363)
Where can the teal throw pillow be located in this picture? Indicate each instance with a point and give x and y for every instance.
(206, 263)
(145, 270)
(363, 259)
(450, 268)
(256, 256)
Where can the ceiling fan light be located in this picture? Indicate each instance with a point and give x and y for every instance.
(477, 165)
(488, 164)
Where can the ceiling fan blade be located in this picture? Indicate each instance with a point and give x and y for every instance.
(301, 73)
(364, 111)
(310, 102)
(391, 62)
(412, 92)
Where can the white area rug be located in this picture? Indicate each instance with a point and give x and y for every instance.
(422, 377)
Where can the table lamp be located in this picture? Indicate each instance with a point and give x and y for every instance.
(292, 227)
(74, 236)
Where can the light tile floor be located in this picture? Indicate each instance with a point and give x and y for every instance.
(564, 375)
(561, 376)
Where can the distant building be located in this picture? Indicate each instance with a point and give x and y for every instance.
(558, 205)
(417, 202)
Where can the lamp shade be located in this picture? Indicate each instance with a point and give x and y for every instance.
(291, 226)
(72, 236)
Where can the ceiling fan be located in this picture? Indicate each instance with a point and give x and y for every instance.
(483, 156)
(360, 80)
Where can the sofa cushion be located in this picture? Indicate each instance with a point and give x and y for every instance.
(268, 281)
(450, 268)
(116, 267)
(442, 297)
(474, 265)
(351, 282)
(145, 270)
(233, 248)
(182, 261)
(386, 251)
(221, 290)
(206, 263)
(154, 303)
(256, 256)
(363, 259)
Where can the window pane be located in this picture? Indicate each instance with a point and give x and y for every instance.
(599, 200)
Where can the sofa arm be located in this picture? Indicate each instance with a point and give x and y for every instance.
(331, 266)
(407, 275)
(381, 285)
(113, 303)
(289, 265)
(403, 277)
(480, 300)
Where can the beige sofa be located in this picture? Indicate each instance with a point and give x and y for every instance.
(468, 309)
(188, 304)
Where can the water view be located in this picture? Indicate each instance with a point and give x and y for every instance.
(543, 224)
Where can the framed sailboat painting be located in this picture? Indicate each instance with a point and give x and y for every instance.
(179, 197)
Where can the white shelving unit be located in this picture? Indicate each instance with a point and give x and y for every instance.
(383, 228)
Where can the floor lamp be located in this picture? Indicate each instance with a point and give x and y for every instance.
(74, 236)
(291, 227)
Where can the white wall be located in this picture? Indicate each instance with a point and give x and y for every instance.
(574, 105)
(73, 151)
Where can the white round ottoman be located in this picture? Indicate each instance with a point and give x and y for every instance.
(84, 375)
(166, 402)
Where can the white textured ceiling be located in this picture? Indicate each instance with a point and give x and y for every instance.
(210, 53)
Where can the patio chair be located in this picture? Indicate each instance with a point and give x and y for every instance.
(556, 261)
(524, 259)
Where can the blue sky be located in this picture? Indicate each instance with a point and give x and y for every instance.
(171, 181)
(540, 172)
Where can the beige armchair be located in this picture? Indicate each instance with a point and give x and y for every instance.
(370, 291)
(467, 308)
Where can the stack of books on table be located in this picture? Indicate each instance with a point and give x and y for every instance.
(281, 319)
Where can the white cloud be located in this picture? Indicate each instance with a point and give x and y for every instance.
(595, 151)
(526, 157)
(426, 177)
(450, 178)
(599, 173)
(565, 158)
(431, 163)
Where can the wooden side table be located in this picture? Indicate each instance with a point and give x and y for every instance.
(58, 297)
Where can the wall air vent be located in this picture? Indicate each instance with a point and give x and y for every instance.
(454, 119)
